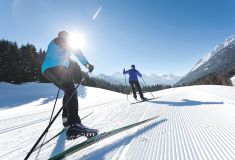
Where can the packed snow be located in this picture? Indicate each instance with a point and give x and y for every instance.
(233, 80)
(195, 123)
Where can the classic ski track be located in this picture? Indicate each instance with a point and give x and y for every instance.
(116, 114)
(6, 130)
(190, 132)
(46, 112)
(122, 151)
(26, 143)
(129, 113)
(22, 116)
(100, 123)
(187, 139)
(100, 104)
(68, 143)
(22, 125)
(183, 137)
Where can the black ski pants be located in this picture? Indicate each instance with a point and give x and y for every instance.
(133, 84)
(63, 79)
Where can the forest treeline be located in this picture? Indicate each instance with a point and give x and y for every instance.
(20, 64)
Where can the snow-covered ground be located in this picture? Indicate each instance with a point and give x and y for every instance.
(233, 80)
(195, 123)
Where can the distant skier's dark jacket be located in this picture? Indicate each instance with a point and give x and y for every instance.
(133, 74)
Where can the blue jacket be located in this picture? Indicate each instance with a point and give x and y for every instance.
(133, 74)
(57, 56)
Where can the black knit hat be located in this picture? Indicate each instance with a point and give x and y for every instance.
(63, 34)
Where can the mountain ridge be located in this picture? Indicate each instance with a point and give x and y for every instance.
(152, 79)
(218, 61)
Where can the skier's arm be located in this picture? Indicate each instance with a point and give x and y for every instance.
(138, 73)
(80, 56)
(125, 72)
(78, 53)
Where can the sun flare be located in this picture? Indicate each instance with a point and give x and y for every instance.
(77, 40)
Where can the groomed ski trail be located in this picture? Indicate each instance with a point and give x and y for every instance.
(195, 123)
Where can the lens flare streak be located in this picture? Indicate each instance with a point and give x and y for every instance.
(97, 13)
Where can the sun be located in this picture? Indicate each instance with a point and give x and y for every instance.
(77, 40)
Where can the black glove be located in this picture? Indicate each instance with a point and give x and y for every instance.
(89, 67)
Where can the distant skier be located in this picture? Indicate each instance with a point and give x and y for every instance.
(55, 69)
(133, 81)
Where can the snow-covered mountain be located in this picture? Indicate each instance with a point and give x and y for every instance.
(118, 78)
(168, 79)
(221, 58)
(195, 122)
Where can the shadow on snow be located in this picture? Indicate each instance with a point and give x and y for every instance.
(18, 95)
(99, 154)
(185, 102)
(60, 145)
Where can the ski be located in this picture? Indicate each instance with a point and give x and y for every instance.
(139, 101)
(62, 131)
(96, 139)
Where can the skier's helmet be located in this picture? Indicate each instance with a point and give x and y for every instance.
(133, 66)
(64, 34)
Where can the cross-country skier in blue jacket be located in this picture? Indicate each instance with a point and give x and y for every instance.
(133, 80)
(55, 69)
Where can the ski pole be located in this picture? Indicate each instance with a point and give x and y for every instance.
(50, 118)
(52, 121)
(126, 89)
(147, 85)
(63, 130)
(55, 104)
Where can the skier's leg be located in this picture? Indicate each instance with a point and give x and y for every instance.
(133, 89)
(139, 89)
(65, 112)
(72, 104)
(62, 79)
(76, 128)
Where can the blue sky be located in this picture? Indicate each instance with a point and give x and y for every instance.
(158, 36)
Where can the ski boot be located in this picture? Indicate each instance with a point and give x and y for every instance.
(144, 99)
(77, 129)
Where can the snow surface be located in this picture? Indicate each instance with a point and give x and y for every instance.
(195, 123)
(233, 80)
